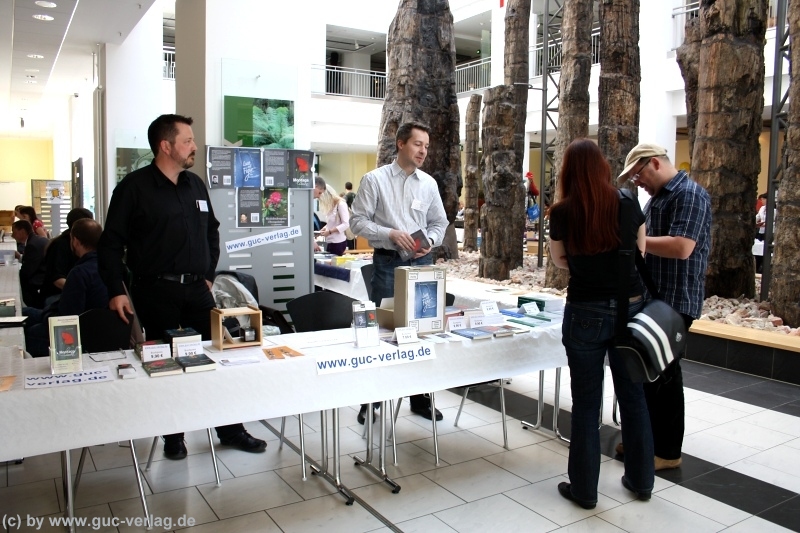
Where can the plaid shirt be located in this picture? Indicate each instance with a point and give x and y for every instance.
(682, 208)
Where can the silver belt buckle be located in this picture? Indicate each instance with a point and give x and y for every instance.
(182, 279)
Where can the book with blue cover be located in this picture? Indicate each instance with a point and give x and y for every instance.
(426, 299)
(473, 333)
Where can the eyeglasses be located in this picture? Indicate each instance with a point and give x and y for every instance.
(635, 178)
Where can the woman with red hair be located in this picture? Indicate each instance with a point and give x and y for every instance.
(585, 235)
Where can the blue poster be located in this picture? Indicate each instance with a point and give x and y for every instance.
(247, 170)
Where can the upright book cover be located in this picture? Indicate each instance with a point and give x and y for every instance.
(65, 344)
(425, 299)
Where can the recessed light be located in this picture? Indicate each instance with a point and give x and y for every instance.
(31, 70)
(30, 76)
(43, 3)
(32, 82)
(35, 56)
(46, 18)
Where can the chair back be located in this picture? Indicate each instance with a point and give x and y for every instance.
(321, 310)
(449, 299)
(102, 330)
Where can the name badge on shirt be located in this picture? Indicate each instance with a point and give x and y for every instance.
(202, 205)
(416, 205)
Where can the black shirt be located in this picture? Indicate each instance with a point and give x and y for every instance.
(163, 226)
(59, 259)
(594, 277)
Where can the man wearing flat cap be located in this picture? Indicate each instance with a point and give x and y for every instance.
(678, 220)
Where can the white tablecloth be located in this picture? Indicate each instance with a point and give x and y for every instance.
(355, 288)
(40, 421)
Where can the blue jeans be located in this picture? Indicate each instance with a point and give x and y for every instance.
(383, 273)
(587, 333)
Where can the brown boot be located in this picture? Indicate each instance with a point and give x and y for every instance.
(666, 464)
(619, 449)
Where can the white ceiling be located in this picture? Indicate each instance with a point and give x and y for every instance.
(67, 43)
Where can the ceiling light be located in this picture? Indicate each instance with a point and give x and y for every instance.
(46, 18)
(31, 81)
(43, 3)
(31, 70)
(35, 56)
(30, 76)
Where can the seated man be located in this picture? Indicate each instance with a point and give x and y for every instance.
(59, 258)
(83, 289)
(31, 273)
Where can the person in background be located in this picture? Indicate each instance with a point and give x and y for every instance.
(337, 220)
(349, 195)
(585, 236)
(83, 289)
(28, 213)
(319, 186)
(393, 202)
(59, 257)
(31, 272)
(161, 227)
(678, 243)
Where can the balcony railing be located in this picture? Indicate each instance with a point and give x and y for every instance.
(692, 10)
(169, 63)
(554, 54)
(343, 81)
(474, 75)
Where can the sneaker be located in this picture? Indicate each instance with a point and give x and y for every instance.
(666, 464)
(565, 490)
(245, 442)
(425, 412)
(644, 496)
(174, 449)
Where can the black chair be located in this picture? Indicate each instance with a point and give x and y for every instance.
(366, 273)
(102, 330)
(449, 299)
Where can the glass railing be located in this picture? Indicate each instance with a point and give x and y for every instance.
(691, 10)
(554, 54)
(343, 81)
(169, 63)
(474, 75)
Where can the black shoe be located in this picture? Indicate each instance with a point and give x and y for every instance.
(425, 412)
(565, 490)
(245, 442)
(362, 415)
(644, 496)
(174, 449)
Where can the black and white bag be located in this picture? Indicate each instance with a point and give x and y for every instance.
(656, 336)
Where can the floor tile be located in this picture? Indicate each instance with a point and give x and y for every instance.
(445, 426)
(786, 514)
(709, 384)
(533, 463)
(424, 524)
(495, 513)
(408, 430)
(328, 514)
(48, 466)
(778, 458)
(118, 454)
(757, 525)
(739, 405)
(420, 496)
(590, 525)
(248, 494)
(176, 506)
(658, 516)
(793, 444)
(745, 493)
(557, 446)
(610, 482)
(517, 435)
(703, 505)
(197, 469)
(695, 425)
(789, 409)
(460, 447)
(756, 396)
(106, 486)
(784, 478)
(474, 480)
(711, 412)
(98, 519)
(544, 499)
(775, 421)
(411, 460)
(749, 435)
(35, 499)
(692, 395)
(716, 449)
(487, 414)
(250, 523)
(312, 487)
(349, 442)
(241, 463)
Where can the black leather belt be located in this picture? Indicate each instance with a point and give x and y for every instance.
(183, 279)
(384, 251)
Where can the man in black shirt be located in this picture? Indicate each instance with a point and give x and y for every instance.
(59, 258)
(31, 272)
(161, 221)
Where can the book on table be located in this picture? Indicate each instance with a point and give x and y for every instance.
(497, 331)
(196, 363)
(473, 333)
(65, 344)
(530, 321)
(126, 371)
(174, 336)
(162, 367)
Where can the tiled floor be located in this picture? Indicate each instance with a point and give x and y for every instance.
(741, 451)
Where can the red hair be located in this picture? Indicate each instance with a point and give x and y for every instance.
(590, 200)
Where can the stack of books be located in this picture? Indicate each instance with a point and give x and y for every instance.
(174, 337)
(196, 363)
(162, 367)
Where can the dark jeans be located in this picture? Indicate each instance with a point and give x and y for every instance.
(37, 333)
(162, 305)
(336, 248)
(666, 406)
(587, 332)
(383, 287)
